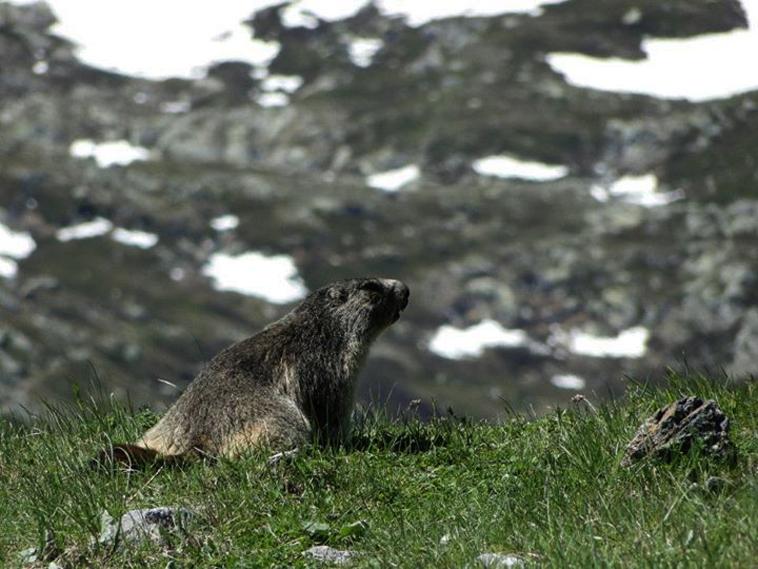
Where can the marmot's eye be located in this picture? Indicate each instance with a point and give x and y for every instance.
(373, 286)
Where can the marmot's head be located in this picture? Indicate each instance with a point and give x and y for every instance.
(358, 308)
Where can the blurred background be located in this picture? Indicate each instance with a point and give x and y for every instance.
(568, 188)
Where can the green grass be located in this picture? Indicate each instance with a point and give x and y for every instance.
(550, 486)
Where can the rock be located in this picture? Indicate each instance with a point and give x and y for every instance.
(674, 427)
(500, 560)
(28, 555)
(150, 524)
(48, 552)
(327, 554)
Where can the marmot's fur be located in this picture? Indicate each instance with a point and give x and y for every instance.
(294, 381)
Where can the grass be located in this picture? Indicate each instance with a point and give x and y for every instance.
(551, 487)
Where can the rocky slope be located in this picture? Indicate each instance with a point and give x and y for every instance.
(546, 258)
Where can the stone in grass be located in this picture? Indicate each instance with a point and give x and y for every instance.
(673, 429)
(327, 554)
(152, 524)
(48, 552)
(500, 560)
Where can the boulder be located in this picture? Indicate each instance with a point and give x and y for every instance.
(674, 429)
(152, 524)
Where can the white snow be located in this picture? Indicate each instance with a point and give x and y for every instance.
(363, 50)
(176, 38)
(630, 343)
(135, 238)
(132, 38)
(225, 222)
(422, 11)
(393, 180)
(640, 190)
(8, 268)
(96, 227)
(118, 152)
(568, 381)
(286, 83)
(272, 99)
(157, 40)
(458, 343)
(505, 166)
(293, 16)
(701, 68)
(274, 278)
(306, 13)
(40, 68)
(15, 244)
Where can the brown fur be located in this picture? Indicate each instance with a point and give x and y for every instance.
(290, 383)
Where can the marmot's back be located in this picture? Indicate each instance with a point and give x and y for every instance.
(292, 381)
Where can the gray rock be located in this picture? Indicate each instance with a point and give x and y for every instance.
(48, 552)
(152, 524)
(500, 560)
(674, 428)
(327, 554)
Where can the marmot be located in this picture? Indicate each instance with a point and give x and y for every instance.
(294, 381)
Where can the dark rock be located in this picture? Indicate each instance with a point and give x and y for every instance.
(675, 428)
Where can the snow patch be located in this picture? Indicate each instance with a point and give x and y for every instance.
(393, 180)
(106, 154)
(639, 190)
(274, 278)
(631, 343)
(16, 244)
(175, 38)
(568, 381)
(225, 222)
(307, 13)
(88, 229)
(701, 68)
(8, 268)
(135, 238)
(458, 343)
(272, 100)
(203, 33)
(286, 83)
(505, 166)
(40, 68)
(363, 50)
(419, 13)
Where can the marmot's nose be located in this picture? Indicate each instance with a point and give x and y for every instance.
(399, 290)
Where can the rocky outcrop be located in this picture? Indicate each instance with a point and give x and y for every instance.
(543, 257)
(678, 427)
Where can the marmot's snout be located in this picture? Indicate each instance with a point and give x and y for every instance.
(399, 293)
